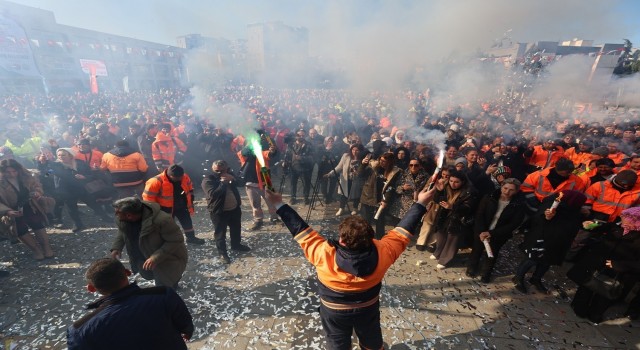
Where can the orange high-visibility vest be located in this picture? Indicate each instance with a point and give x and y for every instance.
(159, 189)
(578, 157)
(537, 184)
(604, 198)
(543, 158)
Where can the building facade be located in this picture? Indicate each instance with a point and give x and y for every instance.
(39, 55)
(277, 52)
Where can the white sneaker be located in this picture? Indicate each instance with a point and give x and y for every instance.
(440, 267)
(433, 257)
(354, 212)
(340, 212)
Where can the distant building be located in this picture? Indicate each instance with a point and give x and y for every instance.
(548, 51)
(277, 51)
(38, 54)
(226, 59)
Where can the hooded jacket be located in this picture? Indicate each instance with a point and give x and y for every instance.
(127, 167)
(160, 238)
(350, 279)
(165, 148)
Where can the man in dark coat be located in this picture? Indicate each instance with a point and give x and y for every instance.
(149, 318)
(223, 203)
(550, 236)
(299, 159)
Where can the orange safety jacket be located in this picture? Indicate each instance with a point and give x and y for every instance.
(340, 289)
(164, 149)
(578, 158)
(537, 184)
(543, 158)
(126, 170)
(604, 198)
(93, 158)
(618, 158)
(265, 155)
(586, 177)
(159, 189)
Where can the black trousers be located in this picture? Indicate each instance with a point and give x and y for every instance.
(340, 324)
(368, 213)
(305, 175)
(328, 187)
(184, 217)
(479, 252)
(223, 220)
(72, 206)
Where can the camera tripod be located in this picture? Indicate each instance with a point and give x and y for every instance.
(316, 190)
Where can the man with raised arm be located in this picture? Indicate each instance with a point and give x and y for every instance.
(350, 270)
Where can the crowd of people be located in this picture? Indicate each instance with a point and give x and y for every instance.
(566, 179)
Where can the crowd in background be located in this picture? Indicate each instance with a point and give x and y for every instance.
(504, 165)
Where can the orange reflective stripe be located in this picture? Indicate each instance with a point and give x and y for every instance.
(338, 306)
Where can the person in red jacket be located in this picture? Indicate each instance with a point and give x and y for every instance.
(350, 270)
(173, 190)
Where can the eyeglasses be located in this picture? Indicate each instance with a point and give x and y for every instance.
(412, 165)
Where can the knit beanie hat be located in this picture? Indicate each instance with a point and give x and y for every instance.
(175, 170)
(625, 178)
(462, 160)
(68, 150)
(502, 170)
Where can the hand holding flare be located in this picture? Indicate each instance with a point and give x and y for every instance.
(556, 202)
(436, 173)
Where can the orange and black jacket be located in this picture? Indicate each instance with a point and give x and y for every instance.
(609, 201)
(127, 167)
(539, 184)
(350, 279)
(93, 158)
(159, 189)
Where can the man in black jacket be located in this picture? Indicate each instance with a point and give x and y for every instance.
(149, 318)
(299, 158)
(223, 202)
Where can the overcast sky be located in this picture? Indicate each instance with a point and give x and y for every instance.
(340, 22)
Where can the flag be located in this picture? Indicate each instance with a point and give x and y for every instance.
(93, 81)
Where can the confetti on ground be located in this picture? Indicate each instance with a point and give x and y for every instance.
(266, 299)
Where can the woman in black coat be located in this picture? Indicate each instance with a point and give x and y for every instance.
(452, 225)
(498, 215)
(615, 255)
(550, 236)
(70, 177)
